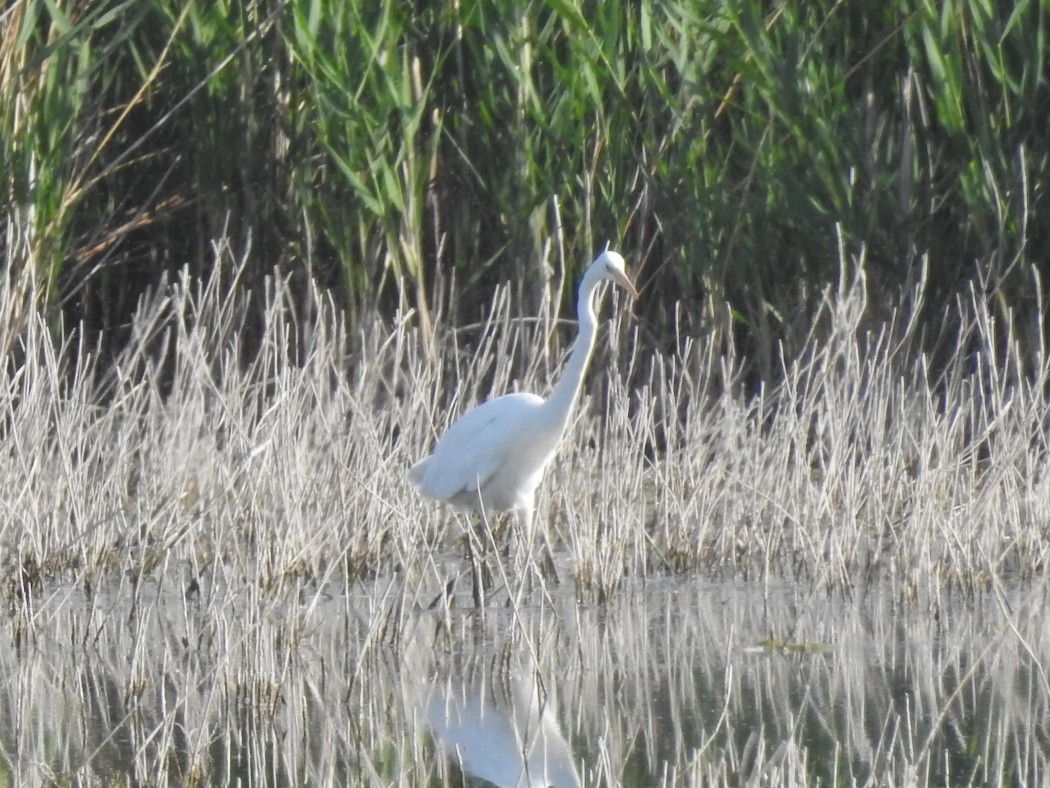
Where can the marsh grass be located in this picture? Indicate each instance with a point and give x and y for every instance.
(211, 557)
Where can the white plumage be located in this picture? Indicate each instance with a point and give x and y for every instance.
(493, 458)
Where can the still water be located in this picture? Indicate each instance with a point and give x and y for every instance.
(393, 682)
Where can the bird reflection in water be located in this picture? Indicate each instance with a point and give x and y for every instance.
(491, 712)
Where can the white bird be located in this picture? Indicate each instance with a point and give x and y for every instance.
(493, 458)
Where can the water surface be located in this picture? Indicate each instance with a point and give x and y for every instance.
(391, 682)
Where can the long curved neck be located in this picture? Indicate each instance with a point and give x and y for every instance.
(567, 389)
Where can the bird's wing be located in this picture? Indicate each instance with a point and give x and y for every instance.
(475, 446)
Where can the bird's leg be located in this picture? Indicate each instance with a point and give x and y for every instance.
(521, 536)
(476, 581)
(534, 564)
(541, 555)
(478, 539)
(545, 564)
(525, 540)
(500, 533)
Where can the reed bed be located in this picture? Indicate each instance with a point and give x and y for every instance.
(861, 465)
(215, 570)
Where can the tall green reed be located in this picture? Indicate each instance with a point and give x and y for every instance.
(395, 152)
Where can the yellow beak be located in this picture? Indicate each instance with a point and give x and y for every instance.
(625, 282)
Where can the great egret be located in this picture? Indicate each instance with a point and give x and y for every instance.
(493, 458)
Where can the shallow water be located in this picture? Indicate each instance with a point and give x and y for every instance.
(679, 680)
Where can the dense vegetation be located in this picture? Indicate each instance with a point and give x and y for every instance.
(420, 152)
(220, 572)
(798, 533)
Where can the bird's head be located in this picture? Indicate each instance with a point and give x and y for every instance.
(610, 265)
